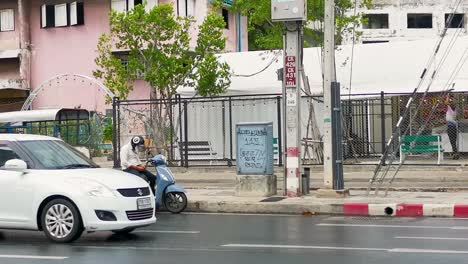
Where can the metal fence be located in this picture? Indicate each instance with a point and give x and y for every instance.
(200, 131)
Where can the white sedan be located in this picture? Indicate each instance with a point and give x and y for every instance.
(47, 185)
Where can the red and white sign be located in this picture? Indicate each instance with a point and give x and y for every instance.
(290, 71)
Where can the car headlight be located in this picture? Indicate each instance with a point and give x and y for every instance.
(92, 188)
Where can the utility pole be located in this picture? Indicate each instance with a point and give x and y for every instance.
(293, 14)
(332, 138)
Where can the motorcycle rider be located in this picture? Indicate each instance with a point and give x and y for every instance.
(131, 163)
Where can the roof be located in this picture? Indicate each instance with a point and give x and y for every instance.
(393, 67)
(24, 137)
(43, 115)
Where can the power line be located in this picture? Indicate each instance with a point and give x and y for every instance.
(262, 70)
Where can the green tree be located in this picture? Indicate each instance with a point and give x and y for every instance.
(157, 45)
(266, 35)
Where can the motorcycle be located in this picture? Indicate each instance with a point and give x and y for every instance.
(167, 193)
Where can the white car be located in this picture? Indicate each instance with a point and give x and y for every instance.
(47, 185)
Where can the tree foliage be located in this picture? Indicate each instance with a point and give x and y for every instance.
(266, 35)
(156, 48)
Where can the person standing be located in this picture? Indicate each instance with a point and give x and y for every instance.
(452, 128)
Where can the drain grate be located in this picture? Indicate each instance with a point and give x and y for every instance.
(272, 199)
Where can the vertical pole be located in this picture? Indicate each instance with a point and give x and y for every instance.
(291, 84)
(77, 128)
(186, 134)
(223, 121)
(118, 130)
(181, 133)
(329, 77)
(171, 125)
(230, 133)
(337, 136)
(25, 40)
(280, 141)
(382, 121)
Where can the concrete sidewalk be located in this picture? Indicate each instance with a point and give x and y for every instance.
(412, 204)
(440, 191)
(410, 178)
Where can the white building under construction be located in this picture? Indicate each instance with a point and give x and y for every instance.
(400, 20)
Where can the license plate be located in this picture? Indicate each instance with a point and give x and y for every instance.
(144, 203)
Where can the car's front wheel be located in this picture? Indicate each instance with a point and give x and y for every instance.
(61, 221)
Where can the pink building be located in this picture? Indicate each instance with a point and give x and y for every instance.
(41, 39)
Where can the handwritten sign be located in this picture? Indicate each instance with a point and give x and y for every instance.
(255, 148)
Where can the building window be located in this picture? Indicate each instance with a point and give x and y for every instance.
(76, 13)
(126, 5)
(123, 57)
(47, 16)
(458, 20)
(7, 20)
(419, 20)
(225, 13)
(62, 15)
(375, 21)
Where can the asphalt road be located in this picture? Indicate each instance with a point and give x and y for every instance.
(194, 238)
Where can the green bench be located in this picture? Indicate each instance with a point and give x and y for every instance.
(412, 144)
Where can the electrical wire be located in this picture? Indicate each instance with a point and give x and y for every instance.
(260, 71)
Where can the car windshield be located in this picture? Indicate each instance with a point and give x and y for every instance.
(55, 154)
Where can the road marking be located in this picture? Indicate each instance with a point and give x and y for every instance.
(397, 226)
(433, 238)
(431, 251)
(32, 257)
(299, 247)
(240, 214)
(393, 250)
(157, 249)
(167, 232)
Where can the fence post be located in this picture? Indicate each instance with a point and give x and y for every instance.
(181, 133)
(186, 133)
(280, 142)
(171, 125)
(223, 126)
(230, 133)
(115, 154)
(382, 121)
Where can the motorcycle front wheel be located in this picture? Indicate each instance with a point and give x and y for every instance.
(175, 202)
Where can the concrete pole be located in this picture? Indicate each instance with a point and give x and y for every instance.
(25, 42)
(329, 77)
(292, 95)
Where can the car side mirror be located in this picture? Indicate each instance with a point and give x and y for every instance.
(16, 165)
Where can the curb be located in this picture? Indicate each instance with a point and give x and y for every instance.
(343, 209)
(405, 210)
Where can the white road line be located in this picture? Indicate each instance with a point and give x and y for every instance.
(157, 248)
(431, 251)
(393, 250)
(298, 247)
(32, 257)
(240, 214)
(397, 226)
(433, 238)
(167, 232)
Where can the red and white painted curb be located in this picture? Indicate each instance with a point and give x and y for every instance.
(405, 209)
